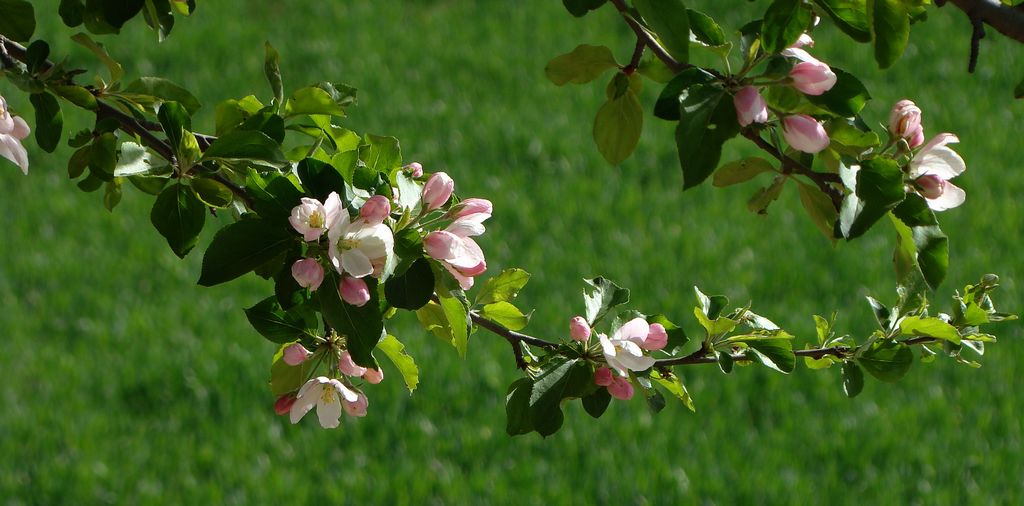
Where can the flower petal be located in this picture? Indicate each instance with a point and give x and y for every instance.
(634, 330)
(940, 140)
(939, 161)
(328, 410)
(952, 196)
(356, 263)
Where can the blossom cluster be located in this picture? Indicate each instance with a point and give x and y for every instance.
(623, 352)
(934, 164)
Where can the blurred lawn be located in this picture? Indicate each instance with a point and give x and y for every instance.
(126, 383)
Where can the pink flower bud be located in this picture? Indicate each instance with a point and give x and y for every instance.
(621, 388)
(472, 206)
(603, 376)
(356, 407)
(657, 338)
(296, 354)
(579, 329)
(308, 273)
(354, 291)
(437, 190)
(373, 376)
(348, 367)
(415, 169)
(21, 129)
(804, 133)
(375, 210)
(812, 77)
(441, 245)
(930, 186)
(284, 404)
(905, 122)
(750, 106)
(803, 40)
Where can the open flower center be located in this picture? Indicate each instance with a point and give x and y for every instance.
(317, 219)
(329, 396)
(347, 244)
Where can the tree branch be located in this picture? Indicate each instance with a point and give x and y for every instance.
(1007, 20)
(824, 180)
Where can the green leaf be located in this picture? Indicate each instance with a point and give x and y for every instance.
(71, 12)
(819, 208)
(1018, 91)
(879, 188)
(602, 296)
(667, 105)
(76, 95)
(763, 197)
(741, 171)
(179, 216)
(312, 100)
(773, 352)
(707, 120)
(212, 192)
(618, 123)
(505, 314)
(929, 327)
(135, 160)
(848, 139)
(675, 387)
(242, 247)
(18, 21)
(285, 378)
(49, 120)
(276, 324)
(597, 402)
(846, 98)
(886, 360)
(560, 379)
(705, 30)
(853, 379)
(246, 145)
(922, 248)
(890, 28)
(381, 153)
(412, 289)
(671, 22)
(456, 313)
(362, 327)
(395, 351)
(714, 326)
(581, 65)
(152, 92)
(175, 120)
(160, 17)
(272, 69)
(850, 16)
(517, 407)
(79, 161)
(320, 179)
(783, 23)
(579, 8)
(112, 195)
(114, 68)
(273, 196)
(503, 287)
(103, 157)
(711, 305)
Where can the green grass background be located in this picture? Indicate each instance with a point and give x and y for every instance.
(125, 383)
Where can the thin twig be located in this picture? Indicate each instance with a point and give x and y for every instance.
(824, 180)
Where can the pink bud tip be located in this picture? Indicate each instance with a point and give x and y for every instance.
(579, 329)
(750, 106)
(415, 169)
(930, 186)
(812, 77)
(621, 388)
(437, 190)
(472, 206)
(308, 273)
(373, 376)
(296, 354)
(354, 291)
(441, 245)
(375, 210)
(284, 404)
(603, 377)
(804, 133)
(657, 337)
(357, 407)
(348, 367)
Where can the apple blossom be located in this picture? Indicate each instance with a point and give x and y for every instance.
(326, 395)
(415, 169)
(750, 106)
(932, 168)
(812, 77)
(804, 133)
(308, 273)
(620, 388)
(375, 210)
(603, 376)
(437, 190)
(905, 122)
(354, 291)
(657, 338)
(803, 40)
(311, 218)
(357, 407)
(459, 253)
(359, 248)
(623, 352)
(296, 354)
(348, 367)
(13, 129)
(579, 329)
(472, 206)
